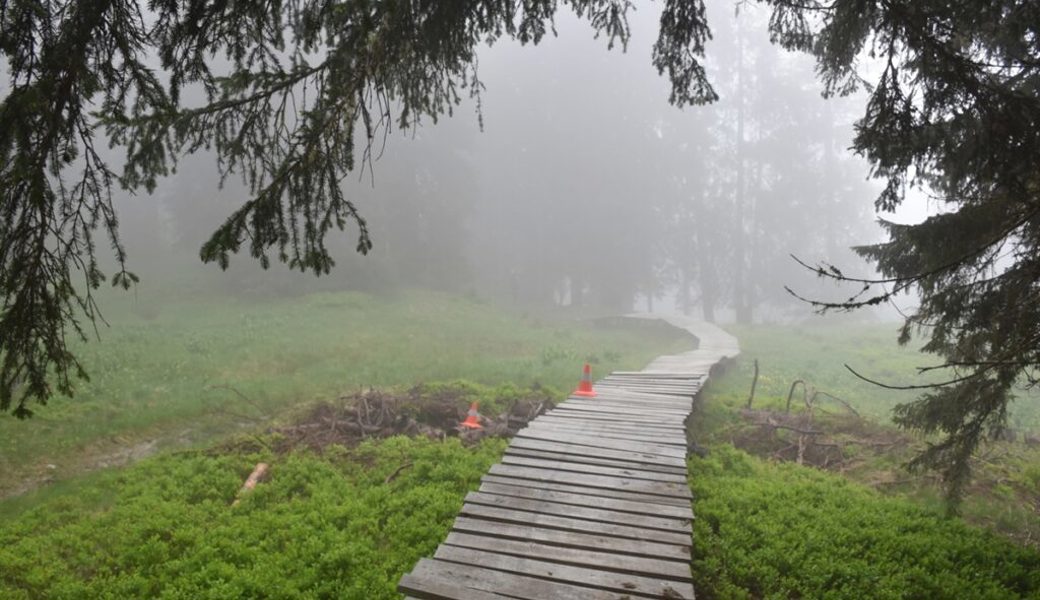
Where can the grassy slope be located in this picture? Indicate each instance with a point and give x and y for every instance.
(156, 374)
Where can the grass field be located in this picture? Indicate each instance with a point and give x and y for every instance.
(348, 522)
(176, 373)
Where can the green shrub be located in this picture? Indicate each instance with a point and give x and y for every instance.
(781, 531)
(318, 528)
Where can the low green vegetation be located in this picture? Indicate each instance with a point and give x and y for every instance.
(817, 354)
(1004, 493)
(776, 531)
(176, 371)
(344, 524)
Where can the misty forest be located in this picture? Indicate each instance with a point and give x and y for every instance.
(545, 299)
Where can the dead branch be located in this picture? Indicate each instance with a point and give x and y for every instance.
(775, 425)
(396, 472)
(839, 400)
(243, 397)
(754, 384)
(790, 394)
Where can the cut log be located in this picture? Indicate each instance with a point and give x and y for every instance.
(258, 475)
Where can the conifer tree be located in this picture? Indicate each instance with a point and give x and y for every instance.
(956, 111)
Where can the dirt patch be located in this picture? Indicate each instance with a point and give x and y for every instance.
(375, 414)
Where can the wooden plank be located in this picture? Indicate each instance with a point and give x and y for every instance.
(635, 436)
(625, 428)
(650, 388)
(649, 499)
(642, 486)
(629, 417)
(681, 405)
(660, 374)
(427, 586)
(617, 393)
(498, 531)
(648, 381)
(603, 557)
(615, 418)
(592, 460)
(572, 419)
(613, 392)
(620, 431)
(629, 414)
(578, 450)
(580, 497)
(631, 473)
(536, 519)
(507, 585)
(585, 440)
(671, 427)
(582, 511)
(626, 409)
(674, 380)
(626, 584)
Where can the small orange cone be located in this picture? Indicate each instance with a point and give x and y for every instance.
(585, 387)
(472, 418)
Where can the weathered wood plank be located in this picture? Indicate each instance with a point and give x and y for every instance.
(659, 374)
(561, 494)
(626, 409)
(535, 518)
(604, 557)
(642, 486)
(431, 585)
(592, 460)
(638, 497)
(602, 419)
(631, 415)
(581, 511)
(579, 450)
(586, 440)
(616, 425)
(567, 417)
(619, 429)
(679, 406)
(625, 417)
(630, 473)
(625, 584)
(589, 541)
(614, 392)
(508, 585)
(634, 436)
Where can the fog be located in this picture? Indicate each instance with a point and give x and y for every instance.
(572, 182)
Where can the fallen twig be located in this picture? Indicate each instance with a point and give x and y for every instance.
(396, 472)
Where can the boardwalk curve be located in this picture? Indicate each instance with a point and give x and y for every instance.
(590, 501)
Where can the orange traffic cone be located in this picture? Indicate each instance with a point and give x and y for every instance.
(472, 418)
(585, 387)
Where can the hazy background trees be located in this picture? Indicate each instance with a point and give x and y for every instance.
(578, 185)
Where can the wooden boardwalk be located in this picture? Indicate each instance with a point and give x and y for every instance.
(590, 501)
